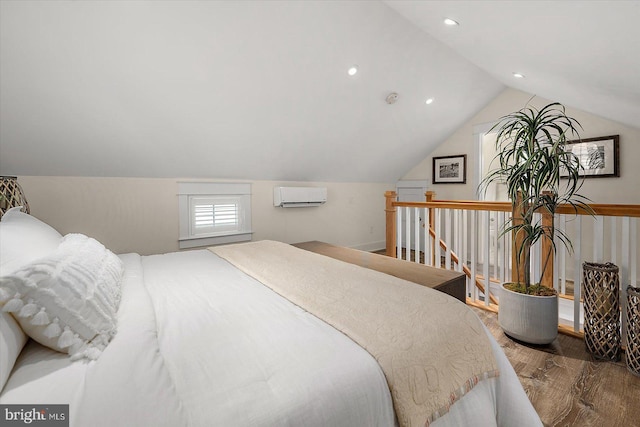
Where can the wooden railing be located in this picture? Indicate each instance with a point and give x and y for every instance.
(466, 236)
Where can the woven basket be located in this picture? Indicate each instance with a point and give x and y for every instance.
(633, 330)
(12, 195)
(601, 309)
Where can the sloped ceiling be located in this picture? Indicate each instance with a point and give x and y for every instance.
(259, 90)
(252, 90)
(585, 54)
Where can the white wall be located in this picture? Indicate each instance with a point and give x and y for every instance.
(141, 214)
(599, 190)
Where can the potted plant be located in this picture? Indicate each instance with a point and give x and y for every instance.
(532, 153)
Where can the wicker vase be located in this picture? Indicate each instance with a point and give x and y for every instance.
(12, 195)
(601, 309)
(633, 330)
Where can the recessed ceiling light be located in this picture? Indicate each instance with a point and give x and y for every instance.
(429, 101)
(518, 75)
(352, 70)
(449, 21)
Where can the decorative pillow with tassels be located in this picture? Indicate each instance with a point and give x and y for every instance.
(68, 300)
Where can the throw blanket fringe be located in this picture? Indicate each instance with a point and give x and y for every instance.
(432, 348)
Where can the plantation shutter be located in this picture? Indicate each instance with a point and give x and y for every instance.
(213, 215)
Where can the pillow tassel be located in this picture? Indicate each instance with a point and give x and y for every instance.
(92, 353)
(53, 330)
(102, 339)
(4, 295)
(13, 305)
(29, 309)
(66, 339)
(41, 318)
(77, 345)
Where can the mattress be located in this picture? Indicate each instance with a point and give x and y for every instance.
(200, 343)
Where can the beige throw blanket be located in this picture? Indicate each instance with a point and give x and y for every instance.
(431, 347)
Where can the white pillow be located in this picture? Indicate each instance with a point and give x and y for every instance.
(24, 238)
(12, 339)
(67, 300)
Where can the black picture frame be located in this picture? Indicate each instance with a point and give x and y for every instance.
(450, 169)
(600, 157)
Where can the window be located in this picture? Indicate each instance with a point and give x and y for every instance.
(214, 213)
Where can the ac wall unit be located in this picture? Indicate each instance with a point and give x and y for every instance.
(299, 197)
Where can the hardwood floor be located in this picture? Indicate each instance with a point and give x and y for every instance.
(567, 386)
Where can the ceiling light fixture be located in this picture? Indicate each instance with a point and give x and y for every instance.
(352, 70)
(391, 98)
(429, 101)
(518, 75)
(451, 22)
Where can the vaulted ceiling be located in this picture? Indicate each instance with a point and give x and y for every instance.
(583, 53)
(260, 90)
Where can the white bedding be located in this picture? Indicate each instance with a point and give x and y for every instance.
(200, 343)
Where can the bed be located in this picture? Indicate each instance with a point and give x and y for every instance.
(199, 339)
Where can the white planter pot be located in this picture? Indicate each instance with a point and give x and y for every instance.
(528, 318)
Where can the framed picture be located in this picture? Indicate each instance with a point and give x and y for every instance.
(450, 169)
(599, 157)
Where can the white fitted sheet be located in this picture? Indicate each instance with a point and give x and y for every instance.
(200, 343)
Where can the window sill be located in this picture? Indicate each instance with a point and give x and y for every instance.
(191, 242)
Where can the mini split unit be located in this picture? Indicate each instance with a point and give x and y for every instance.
(299, 197)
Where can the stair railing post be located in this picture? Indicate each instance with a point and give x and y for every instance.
(517, 272)
(391, 226)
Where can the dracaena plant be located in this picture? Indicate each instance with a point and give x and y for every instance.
(532, 153)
